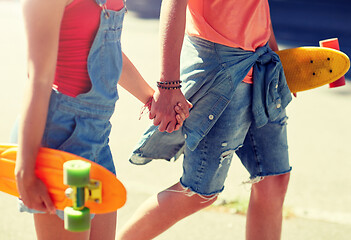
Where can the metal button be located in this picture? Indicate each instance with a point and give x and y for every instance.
(279, 105)
(185, 136)
(211, 117)
(276, 86)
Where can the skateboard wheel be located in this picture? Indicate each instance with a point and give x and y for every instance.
(77, 220)
(334, 44)
(76, 173)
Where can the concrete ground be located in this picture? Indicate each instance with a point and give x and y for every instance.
(319, 194)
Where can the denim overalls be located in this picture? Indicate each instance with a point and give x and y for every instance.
(81, 125)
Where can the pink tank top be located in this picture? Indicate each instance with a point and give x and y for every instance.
(79, 25)
(235, 23)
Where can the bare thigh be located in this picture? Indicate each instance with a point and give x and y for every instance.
(103, 226)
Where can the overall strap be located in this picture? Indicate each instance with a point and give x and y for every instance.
(102, 4)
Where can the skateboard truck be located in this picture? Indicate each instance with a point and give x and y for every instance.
(60, 170)
(334, 44)
(92, 192)
(76, 174)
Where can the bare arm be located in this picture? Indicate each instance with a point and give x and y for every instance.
(42, 25)
(172, 27)
(133, 82)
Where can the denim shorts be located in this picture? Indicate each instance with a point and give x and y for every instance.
(263, 151)
(78, 129)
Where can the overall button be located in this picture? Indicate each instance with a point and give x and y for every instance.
(278, 105)
(211, 117)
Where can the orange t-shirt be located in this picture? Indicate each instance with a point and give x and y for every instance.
(235, 23)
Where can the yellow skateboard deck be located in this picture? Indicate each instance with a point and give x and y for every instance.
(311, 67)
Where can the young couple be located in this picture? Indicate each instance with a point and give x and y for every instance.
(218, 54)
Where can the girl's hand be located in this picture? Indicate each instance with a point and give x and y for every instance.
(162, 108)
(42, 30)
(181, 115)
(34, 193)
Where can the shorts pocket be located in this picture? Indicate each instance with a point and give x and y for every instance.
(60, 131)
(70, 138)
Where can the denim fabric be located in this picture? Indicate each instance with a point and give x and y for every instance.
(81, 125)
(263, 151)
(24, 208)
(211, 73)
(100, 2)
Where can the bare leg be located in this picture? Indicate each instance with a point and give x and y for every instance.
(51, 227)
(162, 211)
(103, 226)
(264, 217)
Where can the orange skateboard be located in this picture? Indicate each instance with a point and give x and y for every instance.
(76, 185)
(311, 67)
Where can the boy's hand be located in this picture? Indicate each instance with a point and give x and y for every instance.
(162, 108)
(181, 115)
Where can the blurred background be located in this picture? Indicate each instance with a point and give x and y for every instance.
(295, 22)
(318, 202)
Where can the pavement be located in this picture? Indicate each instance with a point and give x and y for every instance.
(319, 130)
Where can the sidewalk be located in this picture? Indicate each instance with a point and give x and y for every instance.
(319, 137)
(205, 225)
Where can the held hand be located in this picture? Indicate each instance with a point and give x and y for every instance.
(180, 115)
(34, 194)
(162, 108)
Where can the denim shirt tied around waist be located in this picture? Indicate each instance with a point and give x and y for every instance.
(210, 98)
